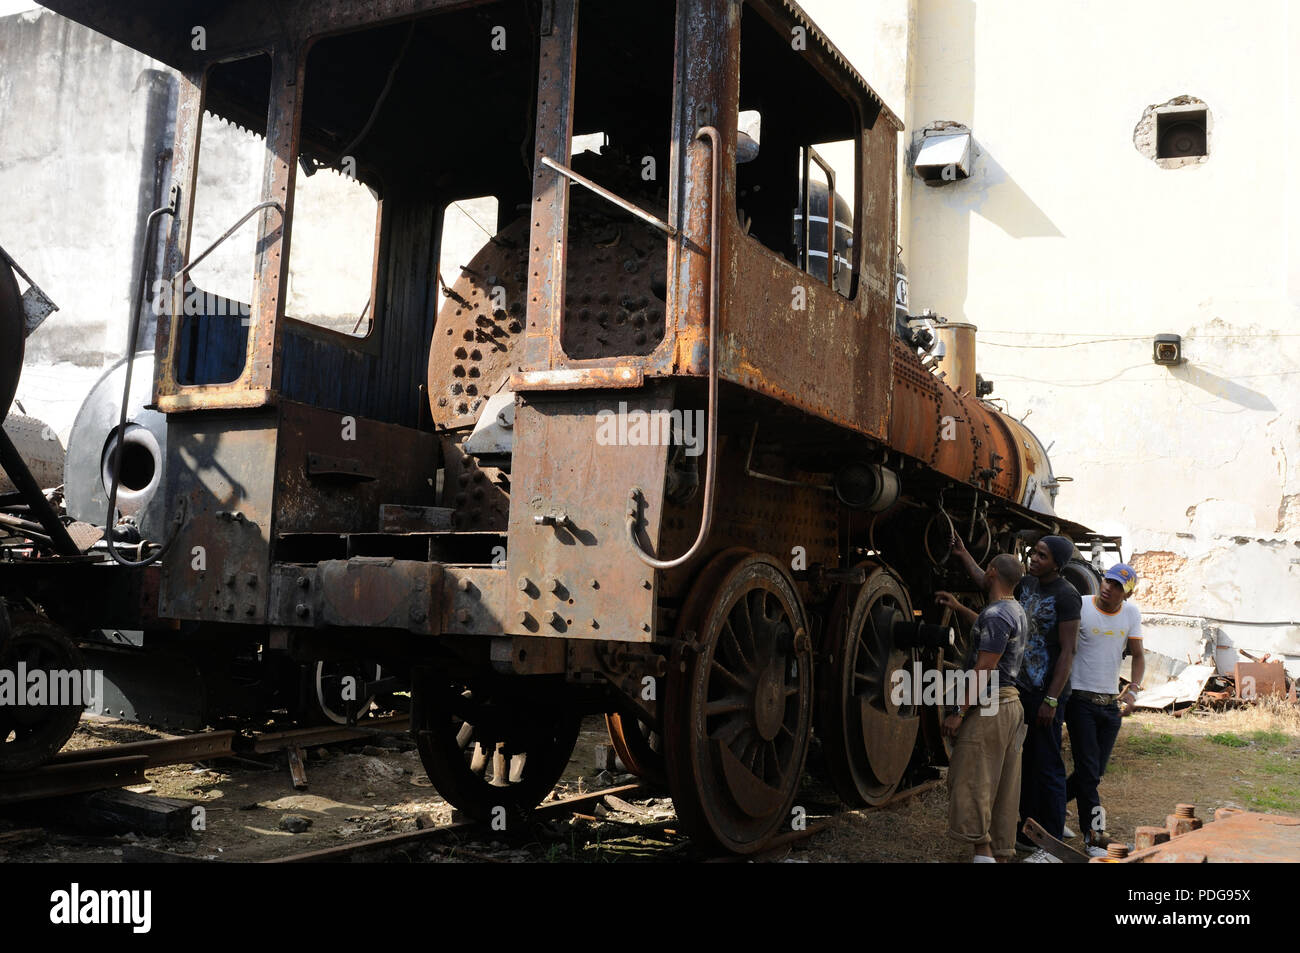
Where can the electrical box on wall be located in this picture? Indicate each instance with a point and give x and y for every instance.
(1168, 349)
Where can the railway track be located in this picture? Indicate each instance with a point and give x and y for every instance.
(119, 765)
(465, 838)
(608, 818)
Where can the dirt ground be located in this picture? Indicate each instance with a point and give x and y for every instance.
(1248, 758)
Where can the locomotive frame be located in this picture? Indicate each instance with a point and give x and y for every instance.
(325, 504)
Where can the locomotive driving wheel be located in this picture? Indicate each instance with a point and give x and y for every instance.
(868, 736)
(639, 745)
(952, 658)
(739, 703)
(33, 731)
(485, 750)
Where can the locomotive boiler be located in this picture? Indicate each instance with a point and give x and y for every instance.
(653, 447)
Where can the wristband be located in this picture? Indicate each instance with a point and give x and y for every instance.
(1050, 701)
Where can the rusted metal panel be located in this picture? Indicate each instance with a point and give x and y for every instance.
(334, 471)
(550, 189)
(754, 513)
(474, 600)
(379, 592)
(1234, 837)
(831, 357)
(219, 475)
(395, 518)
(479, 329)
(362, 592)
(573, 571)
(477, 494)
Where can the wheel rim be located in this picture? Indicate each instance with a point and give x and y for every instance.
(32, 734)
(329, 689)
(639, 746)
(741, 709)
(483, 751)
(869, 738)
(953, 658)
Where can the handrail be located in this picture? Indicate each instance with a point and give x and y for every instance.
(111, 520)
(609, 196)
(269, 203)
(706, 518)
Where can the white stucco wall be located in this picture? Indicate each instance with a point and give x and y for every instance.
(72, 117)
(1066, 235)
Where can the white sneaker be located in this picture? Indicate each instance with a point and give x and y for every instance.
(1067, 834)
(1041, 857)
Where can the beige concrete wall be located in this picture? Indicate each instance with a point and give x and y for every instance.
(73, 114)
(1066, 235)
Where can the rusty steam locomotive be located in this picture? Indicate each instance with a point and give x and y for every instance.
(658, 449)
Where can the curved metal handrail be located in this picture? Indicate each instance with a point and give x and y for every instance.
(706, 519)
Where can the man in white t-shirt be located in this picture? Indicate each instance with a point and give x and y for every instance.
(1108, 624)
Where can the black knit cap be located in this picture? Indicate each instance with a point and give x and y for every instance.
(1060, 548)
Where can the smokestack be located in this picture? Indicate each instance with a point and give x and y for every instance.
(958, 361)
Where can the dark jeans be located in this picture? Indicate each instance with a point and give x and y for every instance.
(1042, 771)
(1093, 730)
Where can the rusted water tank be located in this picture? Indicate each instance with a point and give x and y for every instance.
(39, 446)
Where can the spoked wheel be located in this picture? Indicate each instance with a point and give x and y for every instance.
(868, 737)
(335, 686)
(32, 733)
(953, 658)
(639, 746)
(483, 750)
(739, 704)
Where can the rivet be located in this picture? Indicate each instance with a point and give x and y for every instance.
(553, 584)
(645, 626)
(522, 583)
(595, 583)
(301, 610)
(463, 615)
(464, 584)
(645, 583)
(524, 618)
(553, 618)
(303, 582)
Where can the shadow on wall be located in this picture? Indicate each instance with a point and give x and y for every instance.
(1222, 388)
(993, 195)
(942, 244)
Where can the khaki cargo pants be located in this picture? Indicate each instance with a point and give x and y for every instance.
(984, 776)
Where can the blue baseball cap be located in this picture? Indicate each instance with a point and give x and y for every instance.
(1123, 574)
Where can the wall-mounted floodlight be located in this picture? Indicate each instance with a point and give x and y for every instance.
(944, 157)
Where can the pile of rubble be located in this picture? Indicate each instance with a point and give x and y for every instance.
(1206, 686)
